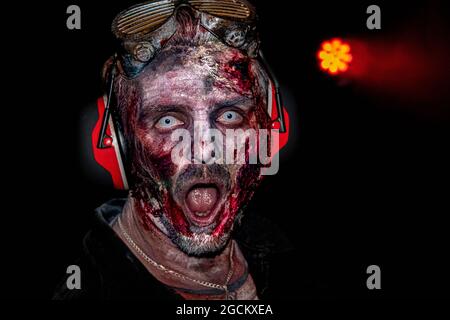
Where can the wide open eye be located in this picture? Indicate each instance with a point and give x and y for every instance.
(168, 123)
(230, 118)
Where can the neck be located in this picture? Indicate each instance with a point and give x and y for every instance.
(156, 245)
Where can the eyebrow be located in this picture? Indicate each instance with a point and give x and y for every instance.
(167, 108)
(244, 102)
(155, 110)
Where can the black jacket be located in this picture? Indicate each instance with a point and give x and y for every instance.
(109, 270)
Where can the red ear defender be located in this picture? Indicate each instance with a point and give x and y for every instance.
(275, 108)
(108, 156)
(279, 116)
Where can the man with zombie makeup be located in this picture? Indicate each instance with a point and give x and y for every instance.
(181, 233)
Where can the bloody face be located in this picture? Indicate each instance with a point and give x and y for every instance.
(191, 87)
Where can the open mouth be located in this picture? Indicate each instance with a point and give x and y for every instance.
(201, 202)
(201, 192)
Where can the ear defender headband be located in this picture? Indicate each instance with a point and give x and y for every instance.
(142, 31)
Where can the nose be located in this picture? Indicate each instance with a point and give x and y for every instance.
(207, 144)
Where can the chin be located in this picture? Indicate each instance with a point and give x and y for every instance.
(201, 240)
(200, 208)
(201, 244)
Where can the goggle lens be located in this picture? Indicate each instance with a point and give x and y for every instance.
(147, 17)
(227, 9)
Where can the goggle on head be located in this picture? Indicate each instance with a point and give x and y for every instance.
(144, 29)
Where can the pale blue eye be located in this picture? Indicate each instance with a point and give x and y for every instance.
(230, 117)
(168, 122)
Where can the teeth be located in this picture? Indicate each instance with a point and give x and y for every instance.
(201, 214)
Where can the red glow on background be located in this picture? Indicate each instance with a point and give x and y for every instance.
(334, 56)
(402, 68)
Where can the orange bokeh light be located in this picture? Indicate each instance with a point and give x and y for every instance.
(334, 56)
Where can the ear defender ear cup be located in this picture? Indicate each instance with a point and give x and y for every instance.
(273, 109)
(109, 157)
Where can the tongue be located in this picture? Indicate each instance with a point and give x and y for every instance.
(201, 200)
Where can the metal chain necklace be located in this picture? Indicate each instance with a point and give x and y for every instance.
(163, 268)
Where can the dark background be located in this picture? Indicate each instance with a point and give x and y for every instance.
(364, 179)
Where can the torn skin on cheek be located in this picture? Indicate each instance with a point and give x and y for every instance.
(176, 217)
(247, 180)
(173, 213)
(163, 168)
(166, 168)
(164, 164)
